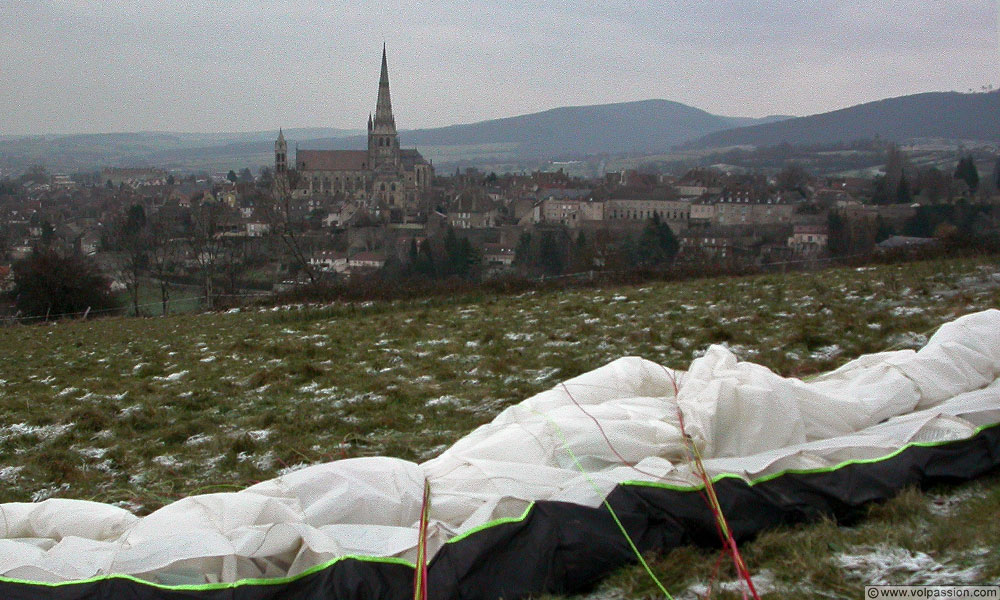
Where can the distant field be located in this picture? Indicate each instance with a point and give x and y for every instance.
(140, 412)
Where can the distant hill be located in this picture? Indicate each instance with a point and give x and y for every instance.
(83, 152)
(628, 127)
(948, 115)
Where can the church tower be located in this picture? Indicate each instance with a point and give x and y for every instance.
(281, 153)
(383, 143)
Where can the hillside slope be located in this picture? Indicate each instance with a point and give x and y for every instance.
(644, 126)
(628, 127)
(949, 115)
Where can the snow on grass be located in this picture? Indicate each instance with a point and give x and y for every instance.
(167, 461)
(40, 432)
(49, 492)
(444, 400)
(198, 439)
(173, 377)
(92, 452)
(885, 565)
(8, 474)
(908, 340)
(827, 352)
(945, 505)
(519, 337)
(763, 583)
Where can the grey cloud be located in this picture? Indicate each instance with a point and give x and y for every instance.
(89, 65)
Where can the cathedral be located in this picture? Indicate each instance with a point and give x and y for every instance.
(385, 174)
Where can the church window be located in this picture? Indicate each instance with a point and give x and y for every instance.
(383, 187)
(394, 187)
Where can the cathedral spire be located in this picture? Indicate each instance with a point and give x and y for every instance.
(383, 109)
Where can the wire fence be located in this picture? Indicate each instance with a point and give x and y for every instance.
(202, 302)
(610, 276)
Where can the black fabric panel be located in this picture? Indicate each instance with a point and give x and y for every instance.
(558, 548)
(347, 579)
(563, 548)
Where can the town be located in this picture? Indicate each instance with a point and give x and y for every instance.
(169, 241)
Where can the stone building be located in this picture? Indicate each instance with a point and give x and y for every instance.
(385, 174)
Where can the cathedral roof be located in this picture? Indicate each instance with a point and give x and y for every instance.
(332, 160)
(410, 157)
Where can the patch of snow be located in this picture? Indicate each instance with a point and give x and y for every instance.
(826, 352)
(173, 376)
(259, 435)
(944, 505)
(42, 432)
(519, 337)
(544, 374)
(9, 473)
(128, 410)
(446, 400)
(167, 460)
(883, 565)
(49, 492)
(763, 583)
(93, 452)
(908, 340)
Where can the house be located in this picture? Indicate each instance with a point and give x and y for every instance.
(340, 214)
(808, 240)
(89, 242)
(743, 208)
(365, 261)
(564, 211)
(501, 255)
(720, 242)
(256, 227)
(702, 213)
(471, 209)
(329, 261)
(676, 213)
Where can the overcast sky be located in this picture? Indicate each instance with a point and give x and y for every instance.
(74, 66)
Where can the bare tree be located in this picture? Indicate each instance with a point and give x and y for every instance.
(131, 237)
(235, 257)
(162, 259)
(288, 224)
(206, 246)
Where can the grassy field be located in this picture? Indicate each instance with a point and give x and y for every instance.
(183, 299)
(140, 412)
